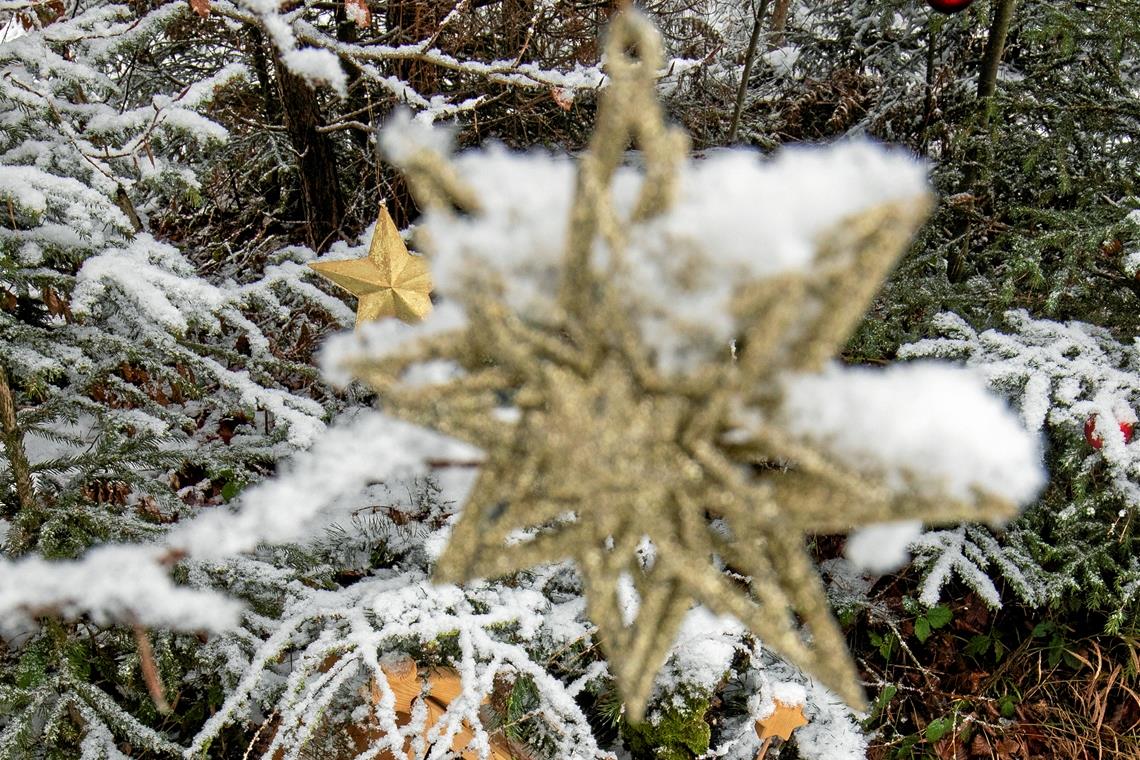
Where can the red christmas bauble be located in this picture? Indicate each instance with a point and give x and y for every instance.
(1127, 429)
(949, 6)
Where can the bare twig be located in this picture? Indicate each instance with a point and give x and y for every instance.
(150, 670)
(253, 741)
(749, 59)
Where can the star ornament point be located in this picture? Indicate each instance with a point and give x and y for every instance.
(388, 282)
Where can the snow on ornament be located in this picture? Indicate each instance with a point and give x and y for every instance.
(1094, 438)
(593, 364)
(949, 6)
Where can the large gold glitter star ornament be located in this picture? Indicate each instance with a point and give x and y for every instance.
(619, 343)
(388, 282)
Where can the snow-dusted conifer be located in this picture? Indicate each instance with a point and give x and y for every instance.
(1079, 386)
(135, 391)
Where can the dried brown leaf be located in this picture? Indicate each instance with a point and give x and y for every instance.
(562, 99)
(782, 722)
(359, 12)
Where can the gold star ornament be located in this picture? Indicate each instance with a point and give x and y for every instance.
(388, 282)
(666, 488)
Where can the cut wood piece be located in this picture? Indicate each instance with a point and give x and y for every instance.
(443, 685)
(438, 688)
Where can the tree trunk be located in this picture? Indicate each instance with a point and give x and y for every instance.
(321, 202)
(779, 23)
(28, 518)
(987, 86)
(261, 70)
(357, 99)
(995, 46)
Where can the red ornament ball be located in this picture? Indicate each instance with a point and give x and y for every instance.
(949, 6)
(1127, 429)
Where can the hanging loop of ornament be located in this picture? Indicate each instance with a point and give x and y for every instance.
(628, 109)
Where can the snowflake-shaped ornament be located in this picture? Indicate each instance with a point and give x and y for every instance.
(621, 346)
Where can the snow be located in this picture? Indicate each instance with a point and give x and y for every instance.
(384, 337)
(17, 185)
(702, 652)
(394, 615)
(882, 548)
(629, 601)
(1131, 263)
(789, 693)
(124, 583)
(738, 217)
(158, 287)
(11, 30)
(435, 373)
(968, 552)
(831, 733)
(922, 419)
(30, 362)
(301, 415)
(203, 90)
(155, 276)
(317, 67)
(30, 188)
(847, 587)
(128, 582)
(1061, 375)
(783, 60)
(30, 254)
(59, 440)
(405, 134)
(358, 13)
(370, 447)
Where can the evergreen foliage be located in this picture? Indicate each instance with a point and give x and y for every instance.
(141, 392)
(1077, 546)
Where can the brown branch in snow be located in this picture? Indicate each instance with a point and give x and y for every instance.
(150, 670)
(13, 439)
